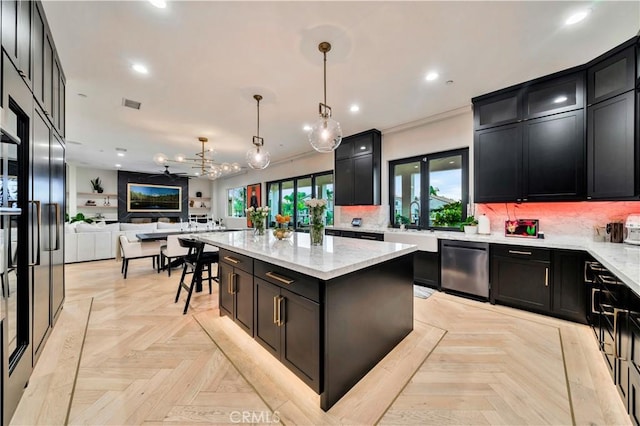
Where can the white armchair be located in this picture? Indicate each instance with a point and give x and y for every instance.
(138, 250)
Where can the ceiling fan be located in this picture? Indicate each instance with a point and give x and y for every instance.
(166, 172)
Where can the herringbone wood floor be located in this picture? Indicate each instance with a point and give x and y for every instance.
(123, 353)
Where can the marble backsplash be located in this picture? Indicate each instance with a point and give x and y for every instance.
(372, 216)
(570, 218)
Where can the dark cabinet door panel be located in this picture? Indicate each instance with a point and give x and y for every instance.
(243, 290)
(226, 297)
(569, 290)
(37, 40)
(363, 180)
(498, 159)
(47, 75)
(344, 173)
(611, 77)
(10, 27)
(266, 331)
(521, 283)
(24, 39)
(301, 338)
(554, 157)
(611, 156)
(426, 268)
(555, 96)
(497, 110)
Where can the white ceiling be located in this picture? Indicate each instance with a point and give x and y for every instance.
(208, 59)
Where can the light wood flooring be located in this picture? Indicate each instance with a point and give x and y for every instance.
(123, 353)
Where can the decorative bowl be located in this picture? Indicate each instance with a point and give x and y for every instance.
(281, 233)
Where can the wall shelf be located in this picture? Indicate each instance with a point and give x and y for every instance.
(82, 206)
(96, 194)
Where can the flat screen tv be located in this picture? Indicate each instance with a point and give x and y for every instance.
(142, 197)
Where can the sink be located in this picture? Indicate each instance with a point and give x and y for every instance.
(424, 241)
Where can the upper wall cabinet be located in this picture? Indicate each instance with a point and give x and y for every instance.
(357, 169)
(554, 96)
(612, 76)
(16, 35)
(497, 110)
(539, 157)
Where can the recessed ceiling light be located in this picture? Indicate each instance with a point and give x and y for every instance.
(354, 108)
(139, 68)
(560, 99)
(120, 154)
(160, 4)
(451, 162)
(432, 76)
(306, 128)
(415, 167)
(577, 17)
(118, 165)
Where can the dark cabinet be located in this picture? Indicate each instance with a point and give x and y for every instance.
(497, 110)
(357, 169)
(498, 163)
(554, 96)
(375, 236)
(37, 46)
(611, 148)
(288, 326)
(520, 277)
(236, 293)
(612, 76)
(554, 157)
(16, 34)
(569, 290)
(540, 155)
(426, 268)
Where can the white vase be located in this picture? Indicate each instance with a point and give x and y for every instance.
(484, 225)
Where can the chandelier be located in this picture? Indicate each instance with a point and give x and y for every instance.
(257, 157)
(202, 164)
(325, 135)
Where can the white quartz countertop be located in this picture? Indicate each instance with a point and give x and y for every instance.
(623, 260)
(337, 256)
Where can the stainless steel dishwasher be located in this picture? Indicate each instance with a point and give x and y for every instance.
(464, 267)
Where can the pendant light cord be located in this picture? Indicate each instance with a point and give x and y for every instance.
(258, 125)
(325, 78)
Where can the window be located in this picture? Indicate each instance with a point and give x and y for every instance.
(287, 197)
(236, 202)
(442, 178)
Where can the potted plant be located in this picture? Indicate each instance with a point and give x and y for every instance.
(470, 225)
(96, 184)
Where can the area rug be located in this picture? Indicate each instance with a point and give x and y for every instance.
(422, 292)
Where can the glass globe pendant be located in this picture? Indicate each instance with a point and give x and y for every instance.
(258, 158)
(326, 134)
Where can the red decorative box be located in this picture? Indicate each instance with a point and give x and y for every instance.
(523, 228)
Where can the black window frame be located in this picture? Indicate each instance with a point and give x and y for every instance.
(425, 184)
(295, 179)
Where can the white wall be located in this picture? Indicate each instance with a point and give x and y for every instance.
(443, 132)
(78, 180)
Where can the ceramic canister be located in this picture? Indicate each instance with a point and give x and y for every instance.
(484, 226)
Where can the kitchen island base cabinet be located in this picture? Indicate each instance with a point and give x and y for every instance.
(236, 289)
(287, 325)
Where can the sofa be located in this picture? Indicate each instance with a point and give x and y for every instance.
(85, 242)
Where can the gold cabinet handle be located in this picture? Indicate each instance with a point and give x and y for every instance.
(275, 310)
(367, 237)
(233, 283)
(282, 279)
(281, 311)
(526, 253)
(229, 283)
(546, 277)
(231, 259)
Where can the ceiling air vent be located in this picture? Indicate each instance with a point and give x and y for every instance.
(131, 104)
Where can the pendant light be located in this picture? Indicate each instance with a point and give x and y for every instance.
(325, 135)
(257, 157)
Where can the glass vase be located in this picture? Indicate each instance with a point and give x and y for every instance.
(316, 231)
(258, 227)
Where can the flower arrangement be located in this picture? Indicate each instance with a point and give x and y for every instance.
(317, 207)
(257, 215)
(282, 231)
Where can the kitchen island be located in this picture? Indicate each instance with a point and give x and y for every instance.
(329, 313)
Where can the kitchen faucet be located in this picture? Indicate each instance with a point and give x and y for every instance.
(417, 203)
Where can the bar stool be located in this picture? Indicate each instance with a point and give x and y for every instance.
(196, 261)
